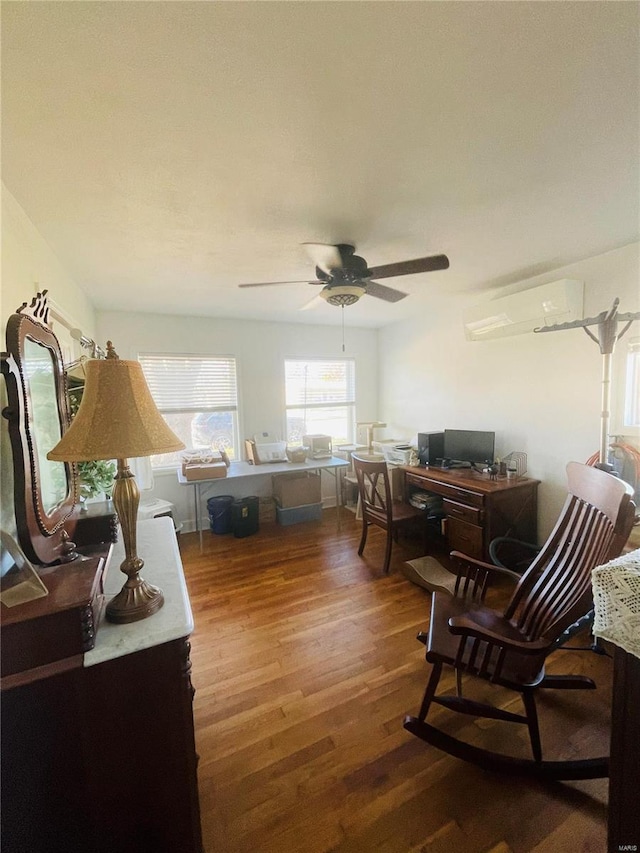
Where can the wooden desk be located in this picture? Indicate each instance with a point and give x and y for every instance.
(102, 757)
(478, 509)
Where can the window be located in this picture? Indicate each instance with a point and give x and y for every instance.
(198, 397)
(632, 391)
(320, 398)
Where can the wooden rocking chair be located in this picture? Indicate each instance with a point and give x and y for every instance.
(510, 648)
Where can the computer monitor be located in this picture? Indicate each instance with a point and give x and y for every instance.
(467, 445)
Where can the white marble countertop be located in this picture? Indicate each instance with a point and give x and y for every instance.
(158, 547)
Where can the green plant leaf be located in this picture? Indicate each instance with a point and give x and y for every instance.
(96, 477)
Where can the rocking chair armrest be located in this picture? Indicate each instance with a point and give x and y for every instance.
(464, 626)
(488, 567)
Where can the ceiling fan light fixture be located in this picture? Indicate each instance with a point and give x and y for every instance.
(343, 294)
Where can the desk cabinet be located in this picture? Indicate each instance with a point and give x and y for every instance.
(477, 509)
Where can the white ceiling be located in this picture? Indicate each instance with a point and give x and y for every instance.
(168, 151)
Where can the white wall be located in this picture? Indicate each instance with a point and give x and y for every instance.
(540, 393)
(29, 265)
(260, 350)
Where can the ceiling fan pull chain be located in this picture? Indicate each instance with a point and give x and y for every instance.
(343, 328)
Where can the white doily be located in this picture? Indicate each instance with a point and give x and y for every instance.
(616, 596)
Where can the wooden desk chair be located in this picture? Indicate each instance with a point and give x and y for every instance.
(510, 648)
(377, 505)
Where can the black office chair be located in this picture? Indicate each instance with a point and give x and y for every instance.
(514, 554)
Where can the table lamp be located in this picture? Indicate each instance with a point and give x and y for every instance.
(118, 419)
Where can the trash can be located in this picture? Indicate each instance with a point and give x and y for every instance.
(219, 508)
(245, 516)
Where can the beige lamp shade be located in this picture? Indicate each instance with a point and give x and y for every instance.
(117, 418)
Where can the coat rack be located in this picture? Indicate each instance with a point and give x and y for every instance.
(606, 338)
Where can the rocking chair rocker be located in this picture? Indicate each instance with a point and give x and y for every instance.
(510, 648)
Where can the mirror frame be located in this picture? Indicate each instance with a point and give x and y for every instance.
(40, 529)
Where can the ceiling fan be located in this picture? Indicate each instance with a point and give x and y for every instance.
(346, 277)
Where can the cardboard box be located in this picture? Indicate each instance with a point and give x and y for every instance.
(297, 454)
(318, 446)
(296, 489)
(205, 471)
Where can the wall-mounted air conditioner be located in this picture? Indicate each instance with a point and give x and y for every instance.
(545, 305)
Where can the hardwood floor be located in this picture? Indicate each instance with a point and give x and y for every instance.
(305, 662)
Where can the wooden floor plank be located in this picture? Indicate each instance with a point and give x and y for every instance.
(305, 662)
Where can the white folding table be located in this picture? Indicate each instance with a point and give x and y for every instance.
(244, 470)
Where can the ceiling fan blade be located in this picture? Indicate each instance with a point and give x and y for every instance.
(269, 283)
(381, 291)
(325, 256)
(312, 303)
(434, 262)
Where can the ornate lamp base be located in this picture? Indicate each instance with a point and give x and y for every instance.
(136, 600)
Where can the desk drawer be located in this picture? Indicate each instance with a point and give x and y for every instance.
(465, 537)
(461, 511)
(446, 490)
(412, 480)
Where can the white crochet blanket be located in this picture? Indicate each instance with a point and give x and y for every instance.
(616, 596)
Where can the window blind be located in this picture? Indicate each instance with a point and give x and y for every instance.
(319, 382)
(632, 391)
(191, 383)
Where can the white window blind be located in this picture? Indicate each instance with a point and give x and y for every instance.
(319, 382)
(320, 397)
(632, 391)
(190, 383)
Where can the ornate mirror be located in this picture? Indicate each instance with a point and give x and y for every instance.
(38, 414)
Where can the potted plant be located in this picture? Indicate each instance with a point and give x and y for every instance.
(94, 478)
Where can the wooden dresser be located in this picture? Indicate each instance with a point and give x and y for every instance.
(101, 756)
(476, 508)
